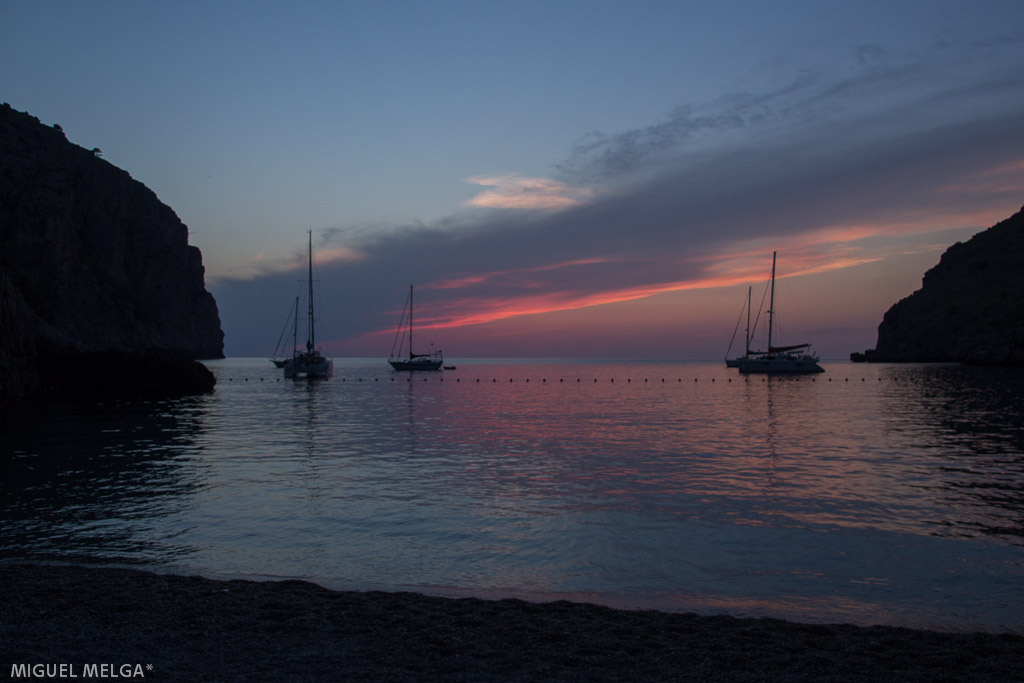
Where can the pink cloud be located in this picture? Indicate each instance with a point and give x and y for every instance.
(480, 278)
(513, 191)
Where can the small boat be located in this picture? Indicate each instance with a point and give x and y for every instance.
(308, 364)
(415, 361)
(794, 359)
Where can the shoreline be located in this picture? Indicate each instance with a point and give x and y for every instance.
(194, 628)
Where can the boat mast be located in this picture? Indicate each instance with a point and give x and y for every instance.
(747, 347)
(310, 341)
(771, 305)
(411, 354)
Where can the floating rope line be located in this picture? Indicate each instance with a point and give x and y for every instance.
(579, 380)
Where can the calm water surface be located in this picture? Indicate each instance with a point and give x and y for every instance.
(870, 494)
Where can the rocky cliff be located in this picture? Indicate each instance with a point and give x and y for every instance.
(970, 308)
(98, 284)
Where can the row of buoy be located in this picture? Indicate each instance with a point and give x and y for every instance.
(561, 380)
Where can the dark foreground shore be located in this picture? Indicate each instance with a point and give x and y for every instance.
(196, 629)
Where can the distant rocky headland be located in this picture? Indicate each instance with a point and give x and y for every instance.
(99, 287)
(970, 308)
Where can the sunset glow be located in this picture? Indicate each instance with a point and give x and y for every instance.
(470, 280)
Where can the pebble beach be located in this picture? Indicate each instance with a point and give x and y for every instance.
(150, 626)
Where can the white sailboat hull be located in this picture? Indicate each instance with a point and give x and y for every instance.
(780, 364)
(416, 364)
(309, 366)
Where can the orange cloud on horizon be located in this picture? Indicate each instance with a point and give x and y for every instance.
(822, 250)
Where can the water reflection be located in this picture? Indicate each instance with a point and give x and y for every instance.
(86, 478)
(646, 484)
(966, 426)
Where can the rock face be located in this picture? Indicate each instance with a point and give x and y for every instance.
(970, 308)
(98, 283)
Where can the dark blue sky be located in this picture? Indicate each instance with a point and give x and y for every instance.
(548, 174)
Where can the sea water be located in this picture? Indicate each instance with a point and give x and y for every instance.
(870, 494)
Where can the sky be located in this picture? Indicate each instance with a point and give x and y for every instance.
(557, 179)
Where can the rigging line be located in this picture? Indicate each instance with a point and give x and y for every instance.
(736, 329)
(399, 340)
(760, 309)
(798, 315)
(318, 320)
(287, 327)
(300, 294)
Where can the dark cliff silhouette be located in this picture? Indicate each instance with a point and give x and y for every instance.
(970, 308)
(99, 287)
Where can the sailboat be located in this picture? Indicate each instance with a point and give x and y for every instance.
(794, 359)
(308, 364)
(415, 361)
(735, 362)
